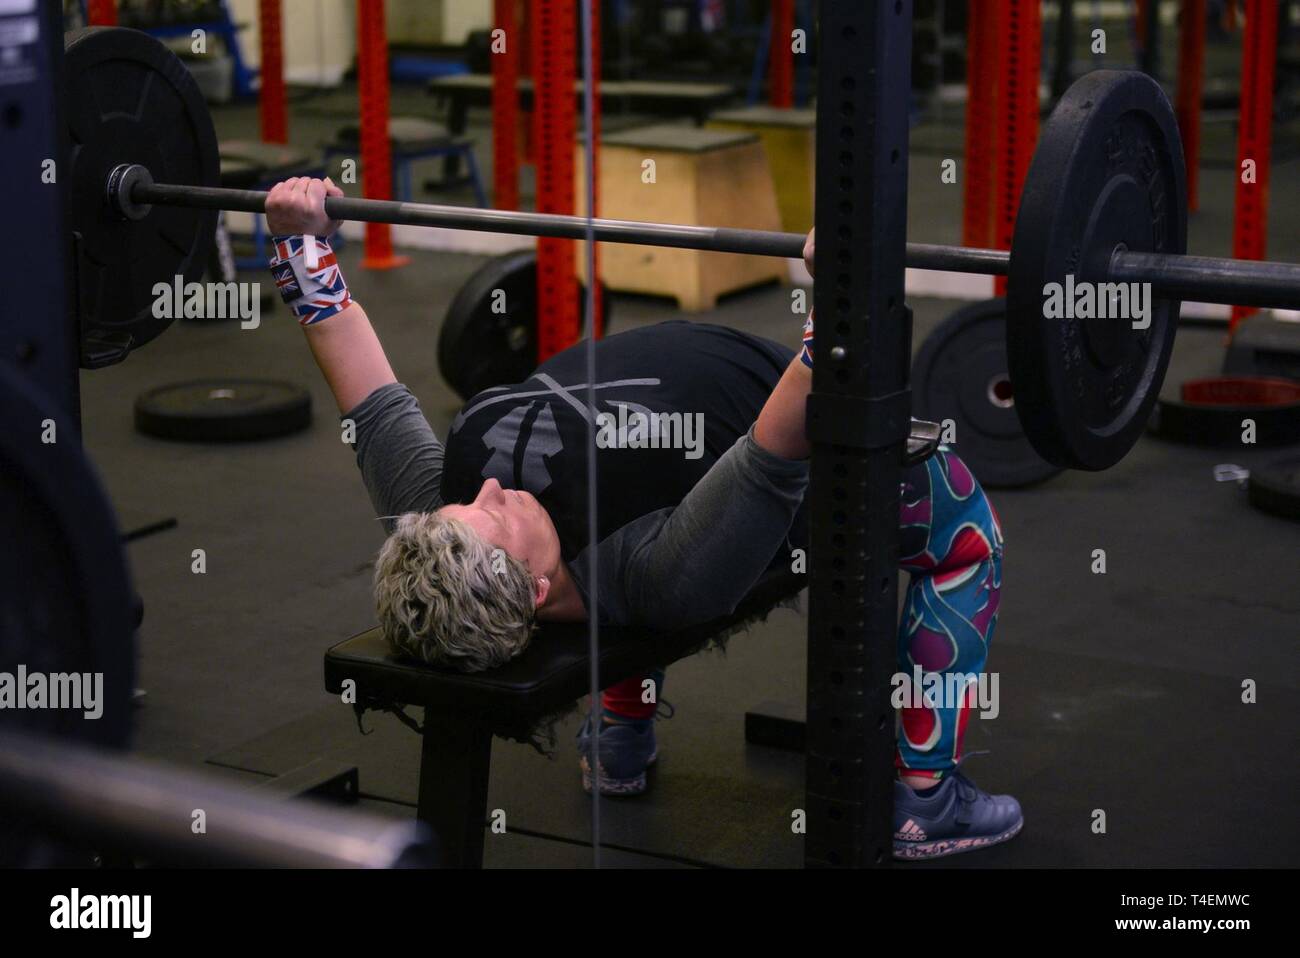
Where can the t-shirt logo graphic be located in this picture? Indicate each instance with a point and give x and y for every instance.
(541, 441)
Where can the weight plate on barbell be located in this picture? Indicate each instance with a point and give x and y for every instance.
(489, 335)
(223, 410)
(128, 99)
(1108, 174)
(960, 374)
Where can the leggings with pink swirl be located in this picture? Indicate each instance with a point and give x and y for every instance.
(951, 544)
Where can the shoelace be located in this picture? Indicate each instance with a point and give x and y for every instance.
(966, 789)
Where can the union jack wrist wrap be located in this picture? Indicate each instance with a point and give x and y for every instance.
(313, 294)
(805, 354)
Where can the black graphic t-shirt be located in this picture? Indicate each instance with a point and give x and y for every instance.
(690, 389)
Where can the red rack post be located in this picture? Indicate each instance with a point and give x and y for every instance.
(271, 97)
(1191, 69)
(376, 156)
(528, 122)
(598, 322)
(979, 169)
(780, 57)
(1140, 24)
(101, 13)
(1255, 136)
(553, 54)
(505, 106)
(1015, 113)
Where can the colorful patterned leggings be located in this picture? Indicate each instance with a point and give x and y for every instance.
(951, 544)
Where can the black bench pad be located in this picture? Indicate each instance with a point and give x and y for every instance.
(549, 676)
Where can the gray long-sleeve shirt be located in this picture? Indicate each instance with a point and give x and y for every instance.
(668, 569)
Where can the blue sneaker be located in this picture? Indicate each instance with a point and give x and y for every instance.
(955, 817)
(627, 749)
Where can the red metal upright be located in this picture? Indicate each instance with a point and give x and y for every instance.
(780, 57)
(598, 323)
(1191, 69)
(980, 168)
(101, 13)
(528, 122)
(1015, 112)
(505, 107)
(1255, 135)
(376, 155)
(272, 102)
(554, 51)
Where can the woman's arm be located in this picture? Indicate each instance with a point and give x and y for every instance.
(350, 356)
(345, 345)
(698, 560)
(781, 427)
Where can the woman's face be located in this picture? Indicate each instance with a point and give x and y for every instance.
(515, 522)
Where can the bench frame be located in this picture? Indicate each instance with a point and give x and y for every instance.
(463, 712)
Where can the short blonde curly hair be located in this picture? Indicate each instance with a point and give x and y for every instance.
(446, 596)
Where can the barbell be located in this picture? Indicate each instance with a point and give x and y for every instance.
(1103, 212)
(132, 192)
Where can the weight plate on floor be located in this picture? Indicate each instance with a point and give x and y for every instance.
(960, 374)
(489, 335)
(128, 99)
(1210, 412)
(1276, 488)
(1108, 174)
(223, 410)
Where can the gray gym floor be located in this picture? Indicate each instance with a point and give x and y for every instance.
(1120, 692)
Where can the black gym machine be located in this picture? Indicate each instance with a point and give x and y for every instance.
(68, 794)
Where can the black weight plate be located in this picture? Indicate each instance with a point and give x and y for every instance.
(223, 410)
(1108, 173)
(960, 373)
(128, 99)
(1276, 488)
(479, 349)
(66, 601)
(1210, 412)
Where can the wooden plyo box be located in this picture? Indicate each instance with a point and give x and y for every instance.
(790, 139)
(700, 178)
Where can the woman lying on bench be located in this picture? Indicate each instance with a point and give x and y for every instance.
(702, 470)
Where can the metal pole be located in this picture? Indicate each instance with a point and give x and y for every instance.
(1210, 279)
(718, 240)
(858, 418)
(175, 817)
(1207, 279)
